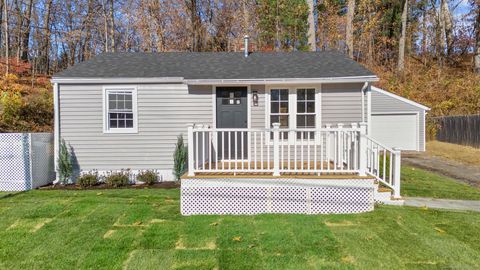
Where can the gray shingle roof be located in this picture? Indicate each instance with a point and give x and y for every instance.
(217, 65)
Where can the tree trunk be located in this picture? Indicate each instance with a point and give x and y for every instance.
(424, 33)
(105, 24)
(26, 32)
(45, 59)
(112, 27)
(448, 26)
(401, 43)
(349, 30)
(311, 26)
(7, 45)
(477, 37)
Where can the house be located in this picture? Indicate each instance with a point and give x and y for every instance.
(297, 132)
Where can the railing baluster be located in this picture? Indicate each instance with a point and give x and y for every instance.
(302, 144)
(210, 154)
(261, 150)
(255, 150)
(223, 150)
(242, 150)
(236, 150)
(196, 149)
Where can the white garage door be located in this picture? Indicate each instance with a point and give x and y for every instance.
(396, 130)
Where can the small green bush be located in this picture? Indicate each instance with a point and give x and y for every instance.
(65, 166)
(148, 177)
(117, 179)
(180, 158)
(87, 180)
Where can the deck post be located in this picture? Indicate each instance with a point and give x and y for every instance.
(190, 150)
(276, 149)
(362, 149)
(397, 157)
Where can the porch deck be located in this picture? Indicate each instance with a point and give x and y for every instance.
(300, 174)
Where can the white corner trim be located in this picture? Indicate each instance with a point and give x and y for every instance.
(406, 100)
(369, 110)
(56, 134)
(132, 88)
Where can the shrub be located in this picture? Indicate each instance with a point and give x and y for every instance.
(65, 167)
(87, 180)
(180, 158)
(117, 179)
(148, 177)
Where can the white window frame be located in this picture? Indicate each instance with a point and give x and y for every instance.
(114, 88)
(292, 107)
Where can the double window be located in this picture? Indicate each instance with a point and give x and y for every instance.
(120, 111)
(296, 110)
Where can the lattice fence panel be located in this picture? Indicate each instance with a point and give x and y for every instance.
(26, 160)
(256, 196)
(42, 159)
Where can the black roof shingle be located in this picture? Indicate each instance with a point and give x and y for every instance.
(217, 65)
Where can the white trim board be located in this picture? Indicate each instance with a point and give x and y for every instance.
(408, 101)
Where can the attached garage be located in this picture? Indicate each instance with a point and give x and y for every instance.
(396, 130)
(397, 121)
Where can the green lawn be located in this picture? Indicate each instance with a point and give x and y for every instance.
(420, 183)
(142, 229)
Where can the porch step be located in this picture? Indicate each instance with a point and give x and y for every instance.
(383, 195)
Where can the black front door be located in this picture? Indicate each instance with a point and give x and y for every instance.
(232, 113)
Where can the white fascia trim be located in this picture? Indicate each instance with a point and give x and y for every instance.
(117, 80)
(406, 100)
(283, 81)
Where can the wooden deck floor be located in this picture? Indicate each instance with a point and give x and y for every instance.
(230, 165)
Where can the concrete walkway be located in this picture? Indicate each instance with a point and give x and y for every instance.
(461, 172)
(443, 203)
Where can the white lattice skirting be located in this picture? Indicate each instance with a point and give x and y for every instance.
(286, 196)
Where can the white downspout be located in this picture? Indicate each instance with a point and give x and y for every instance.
(369, 110)
(56, 129)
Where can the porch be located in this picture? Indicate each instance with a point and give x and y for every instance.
(340, 166)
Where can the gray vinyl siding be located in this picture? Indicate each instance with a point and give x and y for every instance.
(163, 113)
(342, 103)
(258, 112)
(382, 103)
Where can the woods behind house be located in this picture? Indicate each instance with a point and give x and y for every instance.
(428, 51)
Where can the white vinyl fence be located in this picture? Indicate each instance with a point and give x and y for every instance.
(26, 160)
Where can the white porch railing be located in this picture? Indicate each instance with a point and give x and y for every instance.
(274, 150)
(384, 163)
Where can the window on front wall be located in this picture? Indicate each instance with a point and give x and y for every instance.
(279, 108)
(305, 116)
(120, 111)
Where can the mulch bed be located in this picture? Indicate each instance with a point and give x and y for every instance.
(159, 185)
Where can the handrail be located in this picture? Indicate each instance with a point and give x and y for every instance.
(384, 163)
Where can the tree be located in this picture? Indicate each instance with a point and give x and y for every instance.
(477, 37)
(401, 46)
(447, 25)
(311, 26)
(27, 18)
(7, 44)
(283, 24)
(349, 30)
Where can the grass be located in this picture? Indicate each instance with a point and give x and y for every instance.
(142, 229)
(460, 153)
(420, 183)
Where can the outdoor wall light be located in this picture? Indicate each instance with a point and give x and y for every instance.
(255, 98)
